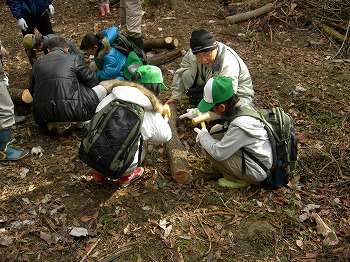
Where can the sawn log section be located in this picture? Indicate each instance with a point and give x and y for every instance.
(177, 153)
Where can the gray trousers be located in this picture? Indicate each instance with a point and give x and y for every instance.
(130, 15)
(6, 107)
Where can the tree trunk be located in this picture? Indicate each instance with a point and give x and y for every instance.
(249, 15)
(177, 153)
(164, 57)
(163, 43)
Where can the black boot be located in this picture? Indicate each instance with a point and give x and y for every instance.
(138, 41)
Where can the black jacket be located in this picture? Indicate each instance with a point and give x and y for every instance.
(61, 86)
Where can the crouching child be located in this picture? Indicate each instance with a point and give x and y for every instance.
(129, 105)
(223, 145)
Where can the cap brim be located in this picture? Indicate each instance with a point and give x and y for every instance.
(163, 87)
(203, 106)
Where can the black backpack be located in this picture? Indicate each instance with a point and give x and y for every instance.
(111, 139)
(125, 45)
(280, 128)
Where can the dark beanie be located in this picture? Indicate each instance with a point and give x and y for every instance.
(202, 41)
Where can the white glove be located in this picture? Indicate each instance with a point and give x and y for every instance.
(3, 51)
(22, 24)
(191, 113)
(51, 9)
(199, 131)
(166, 118)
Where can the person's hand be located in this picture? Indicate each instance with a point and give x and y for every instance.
(199, 132)
(51, 9)
(172, 101)
(191, 113)
(22, 24)
(3, 51)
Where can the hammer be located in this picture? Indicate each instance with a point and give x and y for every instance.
(201, 118)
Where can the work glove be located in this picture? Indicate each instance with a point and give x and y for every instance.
(199, 132)
(22, 24)
(166, 118)
(3, 51)
(51, 9)
(191, 113)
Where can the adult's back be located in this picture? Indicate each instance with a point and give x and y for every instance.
(61, 86)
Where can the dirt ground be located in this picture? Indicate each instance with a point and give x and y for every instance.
(44, 197)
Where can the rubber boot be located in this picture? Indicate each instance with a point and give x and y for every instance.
(7, 153)
(107, 7)
(102, 10)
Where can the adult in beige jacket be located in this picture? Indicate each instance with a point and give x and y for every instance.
(209, 58)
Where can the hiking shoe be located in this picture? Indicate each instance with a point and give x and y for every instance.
(232, 184)
(59, 128)
(99, 178)
(125, 180)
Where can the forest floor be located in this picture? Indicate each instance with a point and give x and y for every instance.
(292, 64)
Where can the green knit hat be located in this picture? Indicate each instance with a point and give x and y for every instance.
(150, 74)
(216, 90)
(30, 41)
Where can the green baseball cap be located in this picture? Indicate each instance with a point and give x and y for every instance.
(133, 61)
(216, 90)
(150, 74)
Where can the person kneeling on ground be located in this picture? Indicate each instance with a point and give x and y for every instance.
(108, 61)
(7, 119)
(148, 82)
(223, 149)
(35, 44)
(209, 58)
(64, 89)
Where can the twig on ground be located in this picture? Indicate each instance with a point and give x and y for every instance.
(200, 222)
(90, 250)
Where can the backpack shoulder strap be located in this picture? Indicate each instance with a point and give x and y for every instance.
(256, 114)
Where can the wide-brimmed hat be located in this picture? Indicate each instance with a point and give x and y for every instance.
(150, 74)
(216, 90)
(30, 41)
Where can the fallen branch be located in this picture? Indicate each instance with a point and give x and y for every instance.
(209, 238)
(164, 57)
(329, 31)
(251, 14)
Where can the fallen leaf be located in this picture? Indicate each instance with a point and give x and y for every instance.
(300, 243)
(167, 231)
(50, 238)
(6, 240)
(86, 218)
(78, 231)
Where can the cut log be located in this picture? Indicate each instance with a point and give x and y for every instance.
(177, 153)
(20, 96)
(164, 43)
(164, 57)
(249, 15)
